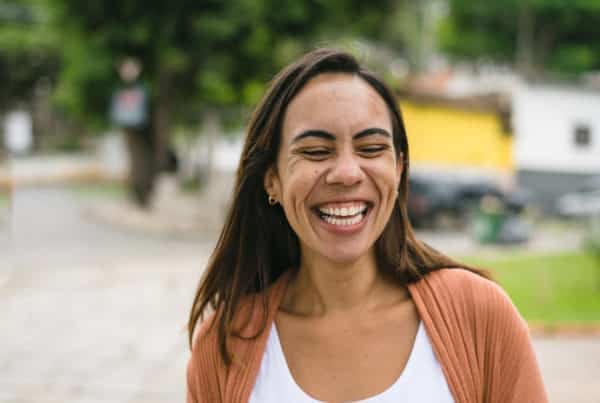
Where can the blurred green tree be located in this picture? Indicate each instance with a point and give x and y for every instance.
(28, 52)
(537, 36)
(199, 57)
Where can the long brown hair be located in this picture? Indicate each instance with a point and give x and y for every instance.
(257, 245)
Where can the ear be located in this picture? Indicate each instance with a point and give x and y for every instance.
(272, 184)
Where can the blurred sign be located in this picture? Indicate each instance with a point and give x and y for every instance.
(18, 133)
(129, 107)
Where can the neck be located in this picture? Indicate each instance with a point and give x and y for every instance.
(323, 287)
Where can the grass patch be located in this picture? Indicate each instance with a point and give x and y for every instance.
(100, 190)
(4, 199)
(549, 288)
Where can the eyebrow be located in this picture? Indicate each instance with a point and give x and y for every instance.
(322, 134)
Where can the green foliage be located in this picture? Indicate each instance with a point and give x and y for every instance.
(86, 85)
(549, 288)
(563, 33)
(28, 50)
(202, 54)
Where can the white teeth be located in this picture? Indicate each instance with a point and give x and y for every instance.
(344, 221)
(344, 211)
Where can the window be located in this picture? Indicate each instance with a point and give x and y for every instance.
(583, 135)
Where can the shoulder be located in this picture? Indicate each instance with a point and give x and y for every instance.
(456, 277)
(468, 294)
(250, 316)
(479, 336)
(205, 332)
(205, 369)
(205, 341)
(460, 284)
(207, 372)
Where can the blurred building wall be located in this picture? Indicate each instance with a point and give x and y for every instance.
(557, 139)
(451, 134)
(557, 129)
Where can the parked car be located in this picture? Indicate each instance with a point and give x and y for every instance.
(583, 202)
(434, 199)
(431, 198)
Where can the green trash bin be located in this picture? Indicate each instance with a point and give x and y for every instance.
(592, 234)
(488, 220)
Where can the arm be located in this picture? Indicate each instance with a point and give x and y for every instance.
(191, 384)
(512, 374)
(205, 369)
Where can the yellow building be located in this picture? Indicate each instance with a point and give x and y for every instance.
(470, 133)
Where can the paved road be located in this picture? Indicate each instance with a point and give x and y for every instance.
(571, 368)
(92, 314)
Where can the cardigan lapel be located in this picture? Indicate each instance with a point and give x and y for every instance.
(242, 374)
(450, 334)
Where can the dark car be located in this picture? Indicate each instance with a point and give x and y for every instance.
(431, 199)
(437, 199)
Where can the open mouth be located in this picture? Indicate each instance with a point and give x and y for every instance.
(343, 215)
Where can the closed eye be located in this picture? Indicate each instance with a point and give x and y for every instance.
(373, 149)
(315, 153)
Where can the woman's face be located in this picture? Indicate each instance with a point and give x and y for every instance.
(337, 172)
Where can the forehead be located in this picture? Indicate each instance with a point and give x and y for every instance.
(337, 102)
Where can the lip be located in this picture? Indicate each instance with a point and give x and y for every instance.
(338, 229)
(368, 202)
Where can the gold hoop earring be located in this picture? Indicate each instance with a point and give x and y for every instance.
(272, 201)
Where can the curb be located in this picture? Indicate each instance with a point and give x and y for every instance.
(564, 329)
(126, 215)
(10, 182)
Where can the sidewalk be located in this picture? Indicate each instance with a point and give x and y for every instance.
(172, 212)
(52, 169)
(101, 333)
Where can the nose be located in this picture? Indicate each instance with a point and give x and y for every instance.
(345, 170)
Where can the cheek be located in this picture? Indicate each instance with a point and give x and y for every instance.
(384, 174)
(300, 182)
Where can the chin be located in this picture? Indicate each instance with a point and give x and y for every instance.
(345, 260)
(347, 255)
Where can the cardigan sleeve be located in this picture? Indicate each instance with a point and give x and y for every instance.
(480, 339)
(209, 380)
(511, 371)
(205, 368)
(191, 382)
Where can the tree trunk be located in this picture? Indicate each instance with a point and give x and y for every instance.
(211, 127)
(525, 39)
(149, 148)
(142, 170)
(160, 123)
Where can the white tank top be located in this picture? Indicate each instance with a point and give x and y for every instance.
(421, 381)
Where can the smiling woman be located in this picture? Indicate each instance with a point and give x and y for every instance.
(328, 168)
(318, 290)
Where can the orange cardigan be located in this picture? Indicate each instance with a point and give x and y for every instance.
(479, 338)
